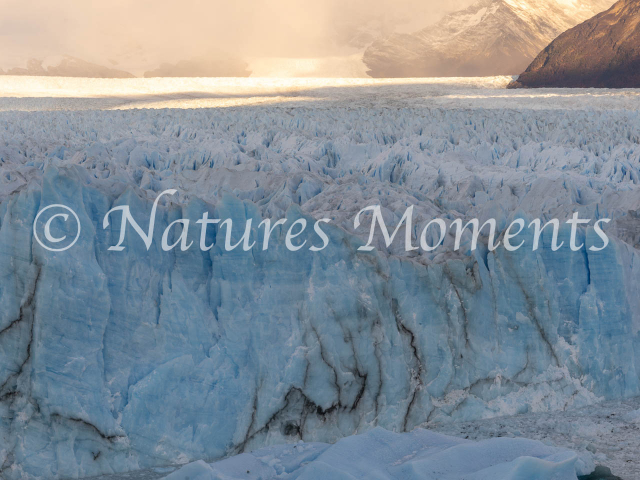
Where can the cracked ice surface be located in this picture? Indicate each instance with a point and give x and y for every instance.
(113, 361)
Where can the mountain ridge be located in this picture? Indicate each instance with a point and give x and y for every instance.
(66, 66)
(215, 65)
(491, 37)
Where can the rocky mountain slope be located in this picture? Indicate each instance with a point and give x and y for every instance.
(601, 52)
(491, 37)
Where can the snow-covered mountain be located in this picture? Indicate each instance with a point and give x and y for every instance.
(66, 66)
(491, 37)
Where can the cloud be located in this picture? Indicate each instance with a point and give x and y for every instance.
(135, 32)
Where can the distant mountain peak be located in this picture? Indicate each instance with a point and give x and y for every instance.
(490, 37)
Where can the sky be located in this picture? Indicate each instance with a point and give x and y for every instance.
(142, 33)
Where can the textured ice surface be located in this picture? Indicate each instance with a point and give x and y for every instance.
(608, 430)
(113, 361)
(380, 454)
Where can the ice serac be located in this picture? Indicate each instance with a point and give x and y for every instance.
(112, 361)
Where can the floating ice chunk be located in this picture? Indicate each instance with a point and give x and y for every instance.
(383, 455)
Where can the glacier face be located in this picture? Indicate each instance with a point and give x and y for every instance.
(112, 361)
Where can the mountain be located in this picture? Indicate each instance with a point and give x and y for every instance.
(491, 37)
(66, 66)
(206, 66)
(138, 60)
(601, 52)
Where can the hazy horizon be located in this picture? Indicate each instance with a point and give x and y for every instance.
(137, 36)
(284, 38)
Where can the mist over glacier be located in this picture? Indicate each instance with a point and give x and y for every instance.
(114, 361)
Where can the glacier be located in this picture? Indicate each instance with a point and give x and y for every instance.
(116, 361)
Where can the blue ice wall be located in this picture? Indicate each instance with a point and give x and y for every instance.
(120, 360)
